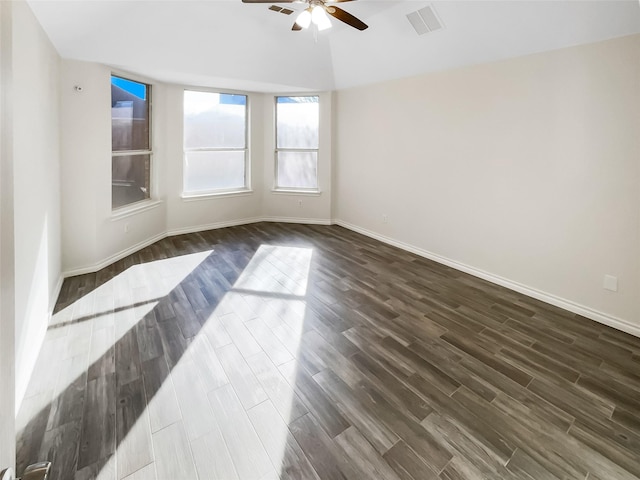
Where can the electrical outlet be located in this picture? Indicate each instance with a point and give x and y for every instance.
(385, 218)
(300, 203)
(126, 228)
(610, 283)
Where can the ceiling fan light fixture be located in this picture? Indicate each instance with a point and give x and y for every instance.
(319, 18)
(304, 19)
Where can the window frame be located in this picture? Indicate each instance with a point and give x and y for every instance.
(140, 204)
(296, 190)
(186, 194)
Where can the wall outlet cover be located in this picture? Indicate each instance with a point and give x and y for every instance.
(610, 283)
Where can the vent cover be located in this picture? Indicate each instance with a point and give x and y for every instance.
(276, 8)
(424, 20)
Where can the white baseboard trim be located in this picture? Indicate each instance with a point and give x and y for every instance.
(601, 317)
(53, 298)
(181, 231)
(303, 221)
(212, 226)
(114, 258)
(36, 341)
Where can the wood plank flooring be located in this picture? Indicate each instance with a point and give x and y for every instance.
(277, 351)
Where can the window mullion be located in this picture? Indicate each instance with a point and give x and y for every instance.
(126, 153)
(208, 149)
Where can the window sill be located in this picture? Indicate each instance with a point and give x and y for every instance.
(192, 197)
(285, 191)
(134, 209)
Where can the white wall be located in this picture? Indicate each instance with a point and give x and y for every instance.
(527, 169)
(7, 299)
(77, 178)
(36, 163)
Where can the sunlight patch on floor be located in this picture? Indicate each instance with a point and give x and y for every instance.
(266, 305)
(83, 332)
(277, 270)
(261, 316)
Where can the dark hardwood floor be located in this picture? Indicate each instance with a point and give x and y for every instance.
(311, 352)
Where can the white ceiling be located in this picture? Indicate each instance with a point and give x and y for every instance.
(229, 44)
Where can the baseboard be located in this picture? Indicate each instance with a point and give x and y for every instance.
(302, 221)
(601, 317)
(181, 231)
(114, 258)
(53, 298)
(212, 226)
(36, 342)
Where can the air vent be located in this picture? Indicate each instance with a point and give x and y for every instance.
(424, 20)
(276, 8)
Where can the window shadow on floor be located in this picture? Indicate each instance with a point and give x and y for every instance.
(81, 427)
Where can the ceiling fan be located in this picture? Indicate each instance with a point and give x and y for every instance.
(316, 13)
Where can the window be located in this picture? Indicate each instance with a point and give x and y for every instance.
(215, 142)
(297, 127)
(130, 142)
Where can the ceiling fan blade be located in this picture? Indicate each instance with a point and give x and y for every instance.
(268, 1)
(346, 17)
(296, 27)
